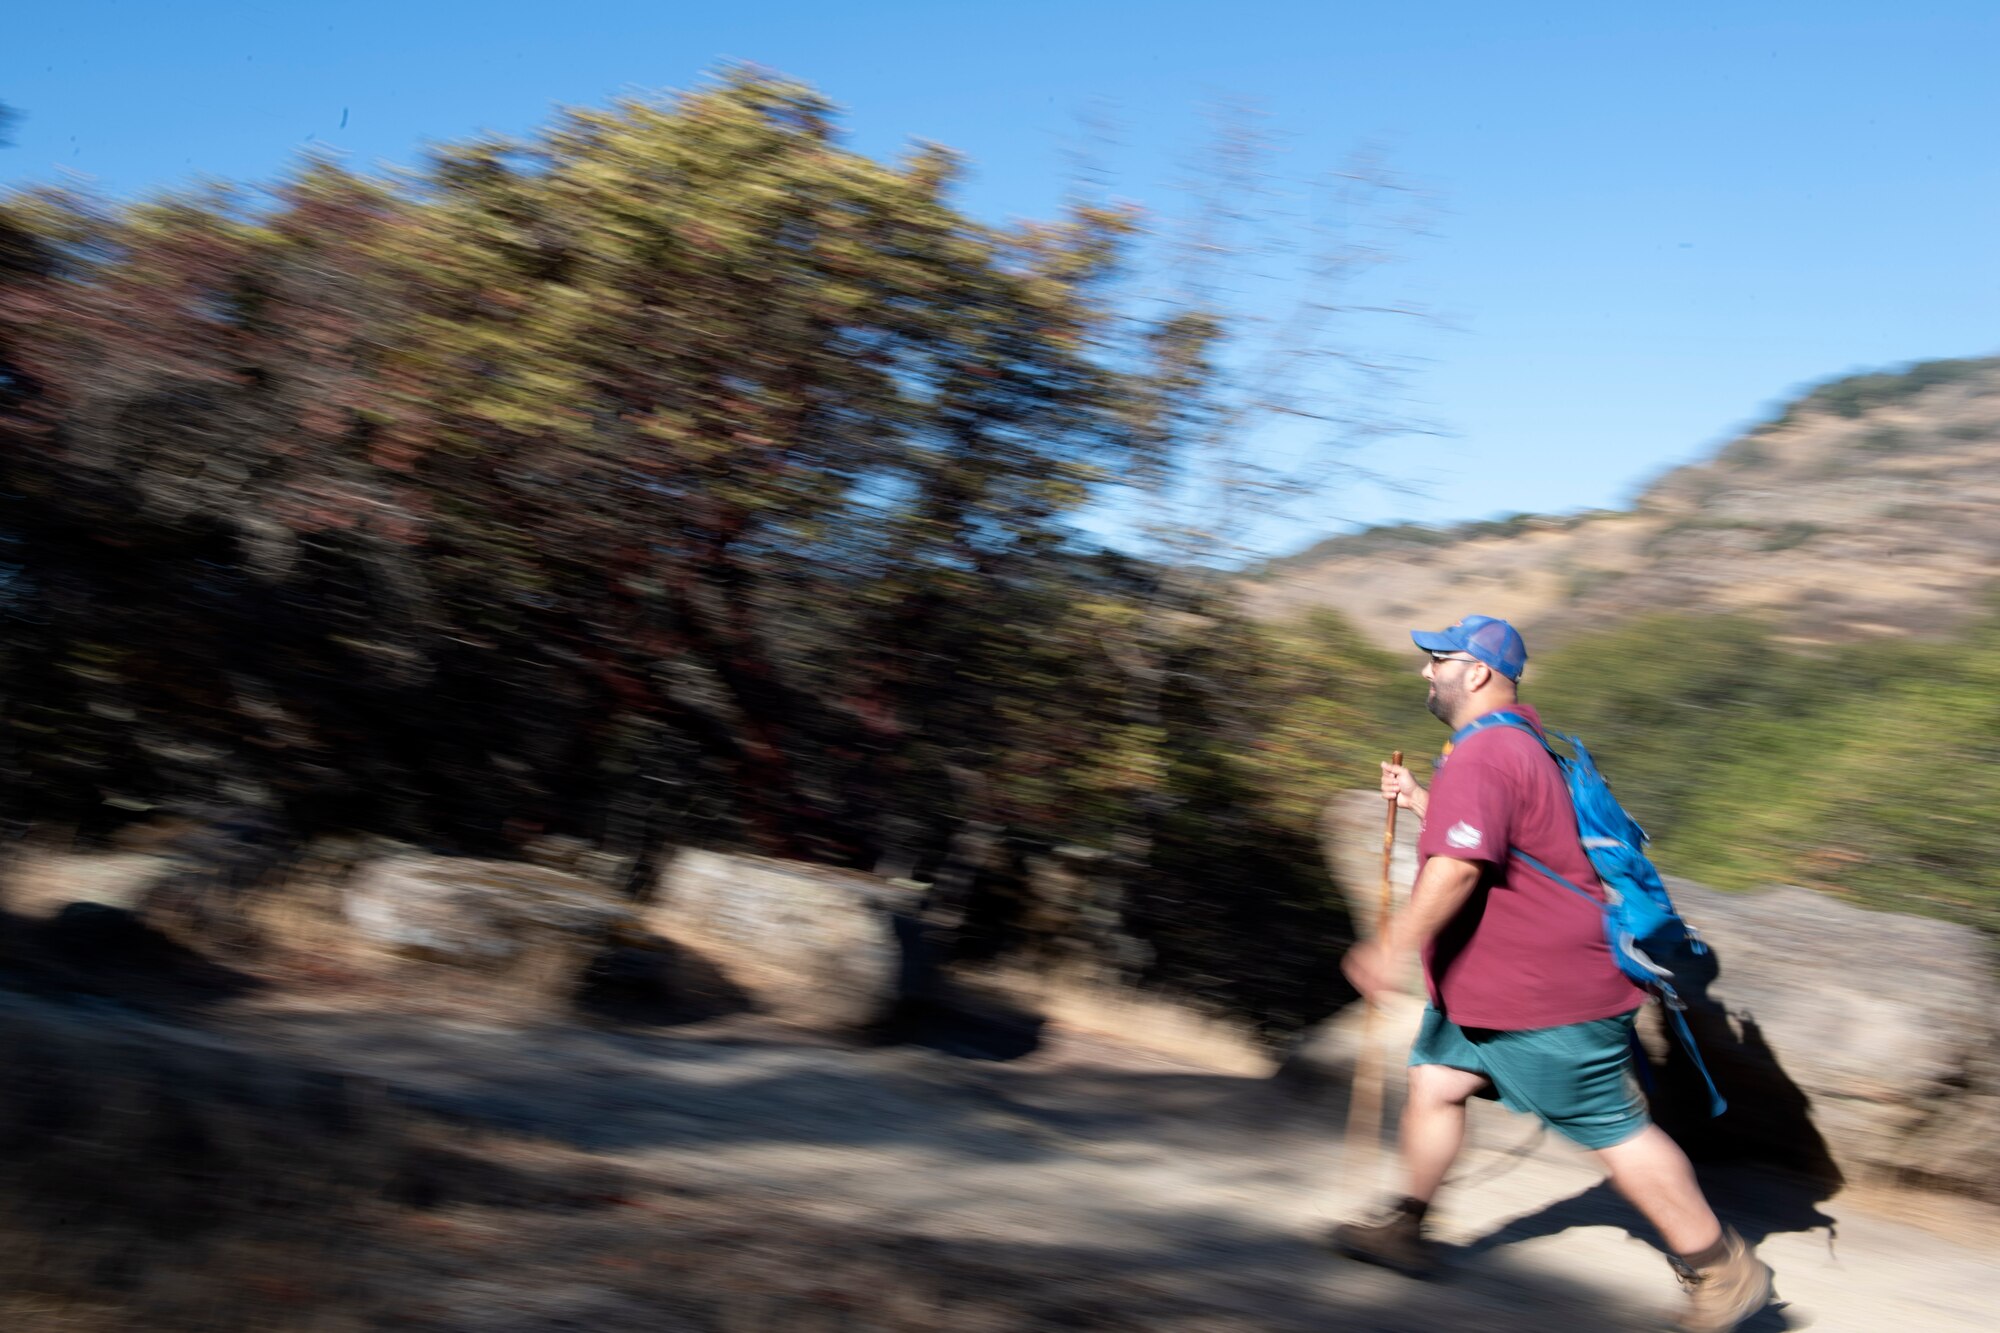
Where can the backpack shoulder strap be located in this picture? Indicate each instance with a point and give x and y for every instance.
(1561, 879)
(1504, 717)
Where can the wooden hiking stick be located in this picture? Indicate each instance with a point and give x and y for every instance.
(1364, 1101)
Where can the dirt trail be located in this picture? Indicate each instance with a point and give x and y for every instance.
(1128, 1186)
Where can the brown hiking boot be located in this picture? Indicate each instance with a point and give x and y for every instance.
(1395, 1242)
(1724, 1295)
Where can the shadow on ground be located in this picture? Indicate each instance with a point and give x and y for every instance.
(656, 983)
(1758, 1202)
(107, 953)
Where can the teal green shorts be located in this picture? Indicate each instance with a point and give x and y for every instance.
(1576, 1079)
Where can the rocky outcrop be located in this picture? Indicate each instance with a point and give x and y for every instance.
(814, 945)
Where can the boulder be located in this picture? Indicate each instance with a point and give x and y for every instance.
(504, 918)
(1323, 1060)
(39, 882)
(1848, 1042)
(1351, 838)
(811, 944)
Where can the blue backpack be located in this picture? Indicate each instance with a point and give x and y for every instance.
(1640, 923)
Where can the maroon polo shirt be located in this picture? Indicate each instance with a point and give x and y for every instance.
(1524, 952)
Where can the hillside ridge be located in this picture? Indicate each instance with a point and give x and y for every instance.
(1870, 506)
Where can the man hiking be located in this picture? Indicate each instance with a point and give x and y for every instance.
(1525, 1000)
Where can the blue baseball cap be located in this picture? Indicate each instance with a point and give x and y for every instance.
(1491, 640)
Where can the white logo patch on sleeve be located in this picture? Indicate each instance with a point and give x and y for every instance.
(1463, 834)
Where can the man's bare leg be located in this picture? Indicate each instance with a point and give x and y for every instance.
(1433, 1128)
(1725, 1280)
(1433, 1131)
(1654, 1175)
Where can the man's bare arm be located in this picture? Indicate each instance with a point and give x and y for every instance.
(1442, 889)
(1444, 886)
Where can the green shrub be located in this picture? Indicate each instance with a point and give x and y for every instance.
(1857, 395)
(1748, 453)
(1867, 771)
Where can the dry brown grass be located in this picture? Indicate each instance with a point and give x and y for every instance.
(1133, 1018)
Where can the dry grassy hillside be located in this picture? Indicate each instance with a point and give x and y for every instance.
(1872, 506)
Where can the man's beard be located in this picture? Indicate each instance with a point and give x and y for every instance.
(1441, 707)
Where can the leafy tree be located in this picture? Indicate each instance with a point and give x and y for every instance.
(673, 473)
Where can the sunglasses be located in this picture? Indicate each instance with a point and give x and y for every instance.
(1451, 657)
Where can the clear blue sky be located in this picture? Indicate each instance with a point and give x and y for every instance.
(1656, 220)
